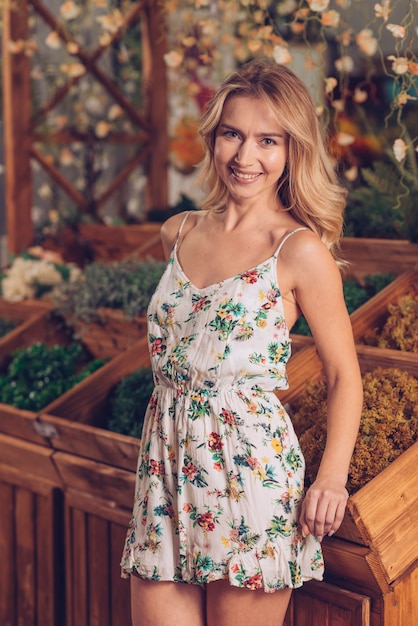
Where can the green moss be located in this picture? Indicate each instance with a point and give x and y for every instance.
(128, 403)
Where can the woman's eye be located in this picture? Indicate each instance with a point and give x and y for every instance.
(231, 133)
(268, 142)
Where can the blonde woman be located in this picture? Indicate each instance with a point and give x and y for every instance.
(222, 530)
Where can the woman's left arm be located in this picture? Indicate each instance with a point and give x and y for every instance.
(319, 294)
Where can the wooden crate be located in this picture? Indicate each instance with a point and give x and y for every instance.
(113, 334)
(75, 419)
(112, 243)
(372, 256)
(32, 590)
(375, 552)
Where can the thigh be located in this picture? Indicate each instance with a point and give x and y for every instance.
(233, 606)
(158, 603)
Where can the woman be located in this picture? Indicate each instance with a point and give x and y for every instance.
(221, 530)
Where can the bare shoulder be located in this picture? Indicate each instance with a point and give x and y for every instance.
(170, 229)
(307, 257)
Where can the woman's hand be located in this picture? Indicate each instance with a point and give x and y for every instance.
(323, 508)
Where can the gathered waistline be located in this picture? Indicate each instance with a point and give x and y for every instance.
(214, 392)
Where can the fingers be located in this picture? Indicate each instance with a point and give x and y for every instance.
(322, 511)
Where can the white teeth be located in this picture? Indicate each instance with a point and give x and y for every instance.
(245, 176)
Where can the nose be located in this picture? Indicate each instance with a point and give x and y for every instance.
(245, 154)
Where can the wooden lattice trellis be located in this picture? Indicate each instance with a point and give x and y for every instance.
(22, 140)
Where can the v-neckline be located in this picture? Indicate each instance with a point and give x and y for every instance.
(218, 283)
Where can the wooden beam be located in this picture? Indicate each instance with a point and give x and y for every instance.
(16, 117)
(154, 46)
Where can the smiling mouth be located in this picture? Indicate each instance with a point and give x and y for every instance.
(244, 176)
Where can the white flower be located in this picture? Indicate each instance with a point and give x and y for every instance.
(397, 30)
(281, 55)
(382, 9)
(344, 139)
(399, 64)
(173, 59)
(367, 42)
(15, 291)
(345, 64)
(399, 149)
(330, 84)
(360, 95)
(69, 10)
(53, 41)
(318, 5)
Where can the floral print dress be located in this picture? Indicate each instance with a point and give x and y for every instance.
(220, 472)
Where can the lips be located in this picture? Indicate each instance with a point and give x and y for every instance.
(245, 176)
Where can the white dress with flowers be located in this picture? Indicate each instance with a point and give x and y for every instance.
(220, 472)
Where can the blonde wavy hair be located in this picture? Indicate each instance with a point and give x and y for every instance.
(309, 187)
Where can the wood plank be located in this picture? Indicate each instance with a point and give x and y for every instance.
(345, 561)
(21, 424)
(99, 571)
(8, 562)
(119, 587)
(25, 556)
(79, 571)
(118, 516)
(29, 458)
(50, 573)
(17, 102)
(371, 256)
(97, 479)
(374, 312)
(322, 604)
(371, 357)
(401, 605)
(386, 513)
(93, 442)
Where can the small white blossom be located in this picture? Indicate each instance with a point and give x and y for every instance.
(399, 149)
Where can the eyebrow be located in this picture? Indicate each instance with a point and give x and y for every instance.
(262, 134)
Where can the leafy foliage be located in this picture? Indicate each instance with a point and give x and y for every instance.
(6, 325)
(385, 204)
(39, 374)
(128, 403)
(124, 285)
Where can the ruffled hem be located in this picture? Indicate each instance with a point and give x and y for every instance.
(243, 570)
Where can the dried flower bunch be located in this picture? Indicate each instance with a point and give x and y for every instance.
(389, 424)
(400, 330)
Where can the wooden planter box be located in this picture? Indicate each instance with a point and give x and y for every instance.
(374, 313)
(372, 256)
(375, 552)
(32, 574)
(113, 243)
(113, 334)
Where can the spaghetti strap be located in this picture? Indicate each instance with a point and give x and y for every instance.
(286, 237)
(181, 227)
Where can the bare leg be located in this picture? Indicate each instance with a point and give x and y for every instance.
(160, 603)
(233, 606)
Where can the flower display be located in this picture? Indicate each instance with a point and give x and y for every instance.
(33, 276)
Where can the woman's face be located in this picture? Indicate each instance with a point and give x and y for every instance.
(250, 149)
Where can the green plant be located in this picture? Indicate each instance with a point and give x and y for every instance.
(124, 285)
(389, 424)
(128, 402)
(39, 374)
(355, 295)
(385, 202)
(6, 325)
